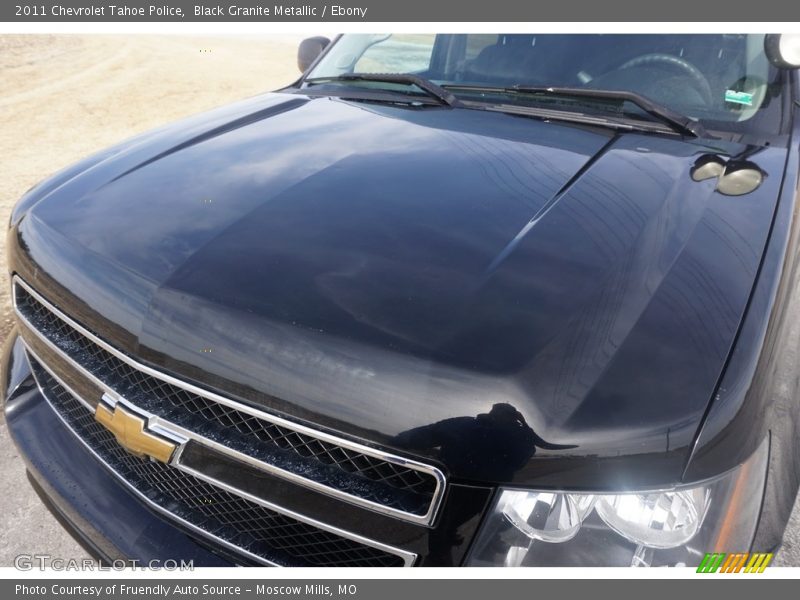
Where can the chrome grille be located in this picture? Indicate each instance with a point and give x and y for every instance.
(248, 526)
(376, 480)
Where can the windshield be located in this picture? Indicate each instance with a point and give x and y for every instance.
(723, 81)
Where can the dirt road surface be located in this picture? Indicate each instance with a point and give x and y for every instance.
(64, 97)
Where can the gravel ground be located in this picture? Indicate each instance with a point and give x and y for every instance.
(63, 97)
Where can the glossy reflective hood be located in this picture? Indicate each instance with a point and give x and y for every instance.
(521, 300)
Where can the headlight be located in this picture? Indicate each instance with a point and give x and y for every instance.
(674, 527)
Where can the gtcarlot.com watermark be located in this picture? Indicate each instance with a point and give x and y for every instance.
(41, 562)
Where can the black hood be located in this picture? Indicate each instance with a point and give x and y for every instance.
(397, 274)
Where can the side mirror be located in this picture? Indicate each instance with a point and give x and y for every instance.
(783, 50)
(309, 50)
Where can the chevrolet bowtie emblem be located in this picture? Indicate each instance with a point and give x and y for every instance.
(131, 432)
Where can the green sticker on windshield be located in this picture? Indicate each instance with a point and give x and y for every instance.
(739, 97)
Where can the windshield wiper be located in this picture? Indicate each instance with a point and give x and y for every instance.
(427, 86)
(675, 120)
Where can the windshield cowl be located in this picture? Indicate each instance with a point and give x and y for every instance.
(693, 83)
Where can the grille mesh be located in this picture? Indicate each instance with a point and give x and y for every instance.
(224, 515)
(341, 468)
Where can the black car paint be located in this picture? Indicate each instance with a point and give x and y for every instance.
(395, 274)
(759, 391)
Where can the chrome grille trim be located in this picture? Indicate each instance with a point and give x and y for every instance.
(119, 477)
(158, 422)
(408, 558)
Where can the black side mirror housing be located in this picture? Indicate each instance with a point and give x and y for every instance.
(783, 50)
(309, 50)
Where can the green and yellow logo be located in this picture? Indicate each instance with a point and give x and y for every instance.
(744, 562)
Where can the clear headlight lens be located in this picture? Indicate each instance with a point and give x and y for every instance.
(654, 528)
(657, 520)
(546, 516)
